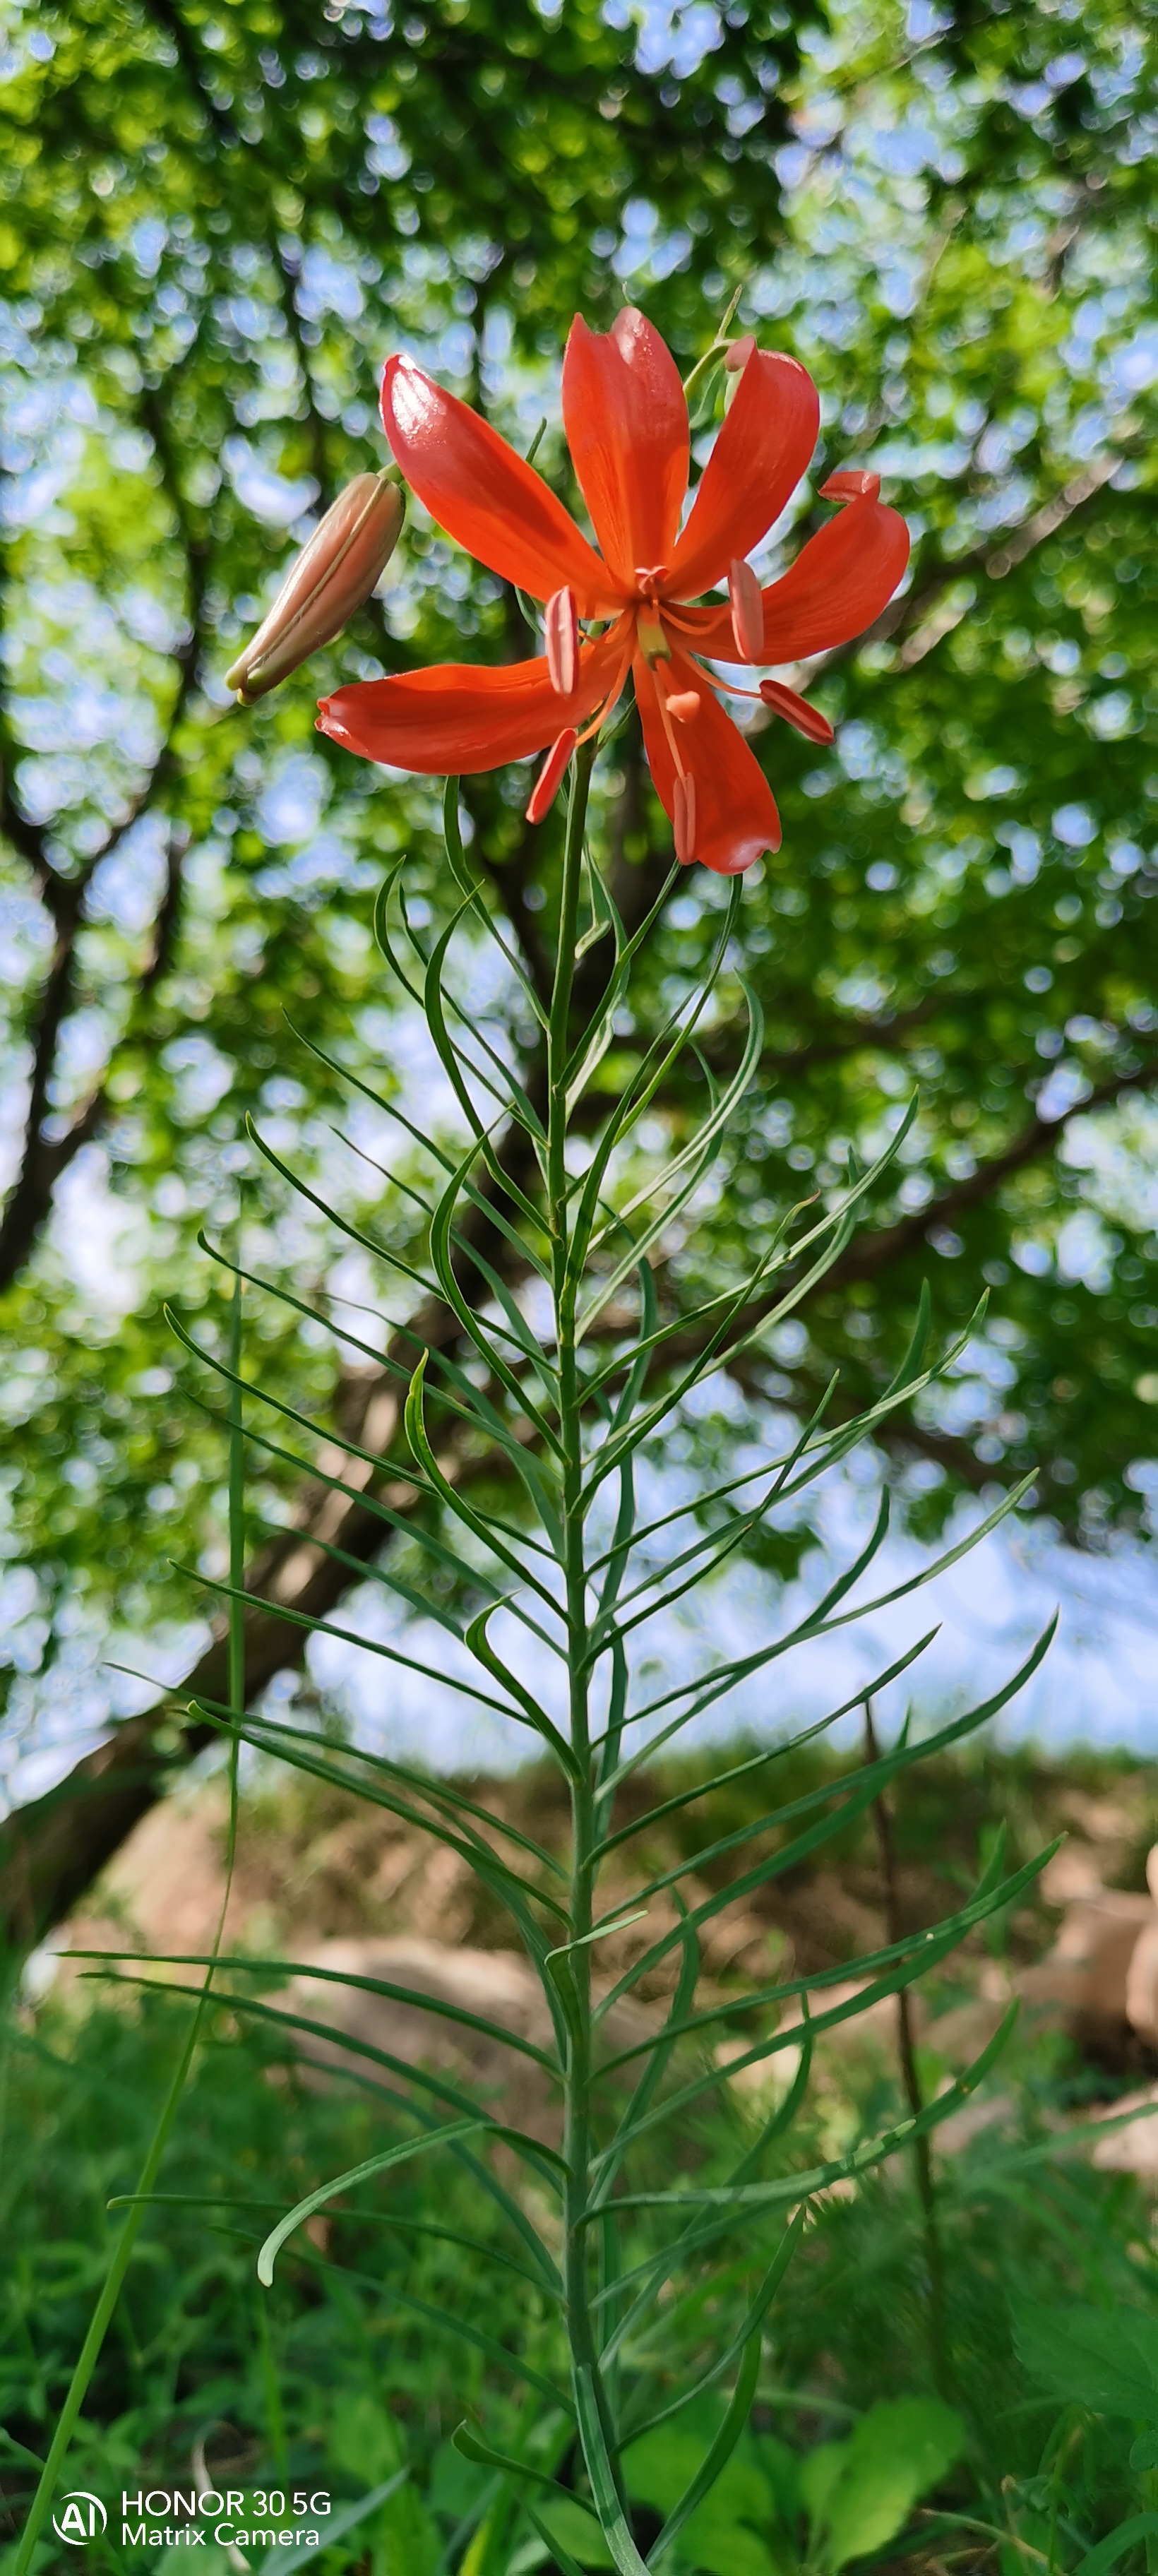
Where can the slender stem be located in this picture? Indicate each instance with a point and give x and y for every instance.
(910, 2076)
(576, 1967)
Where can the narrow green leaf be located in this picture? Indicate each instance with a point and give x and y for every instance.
(345, 1977)
(756, 1761)
(281, 2562)
(717, 2458)
(385, 2162)
(456, 1503)
(791, 2188)
(608, 2501)
(1098, 2562)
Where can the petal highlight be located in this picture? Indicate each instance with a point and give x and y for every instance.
(462, 716)
(627, 428)
(735, 816)
(487, 498)
(762, 450)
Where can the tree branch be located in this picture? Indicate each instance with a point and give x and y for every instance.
(42, 1158)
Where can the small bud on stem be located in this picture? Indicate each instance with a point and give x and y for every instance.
(334, 574)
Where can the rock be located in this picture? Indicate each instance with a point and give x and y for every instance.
(1082, 1983)
(1132, 2148)
(1142, 1984)
(498, 1986)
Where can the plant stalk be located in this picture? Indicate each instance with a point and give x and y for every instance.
(576, 1968)
(910, 2077)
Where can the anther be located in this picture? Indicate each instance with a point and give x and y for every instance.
(684, 818)
(796, 711)
(747, 611)
(684, 704)
(562, 637)
(852, 483)
(546, 786)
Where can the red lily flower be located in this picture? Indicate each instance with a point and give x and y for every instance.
(626, 421)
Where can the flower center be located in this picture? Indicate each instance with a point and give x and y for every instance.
(653, 643)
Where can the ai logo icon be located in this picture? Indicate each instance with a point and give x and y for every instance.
(81, 2517)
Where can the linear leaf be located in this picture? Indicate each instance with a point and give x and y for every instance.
(435, 2004)
(756, 1761)
(281, 2562)
(717, 2457)
(791, 2188)
(608, 2501)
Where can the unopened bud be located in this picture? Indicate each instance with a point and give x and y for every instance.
(547, 784)
(747, 611)
(796, 711)
(561, 627)
(334, 574)
(684, 818)
(853, 483)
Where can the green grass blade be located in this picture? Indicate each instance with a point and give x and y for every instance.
(281, 2562)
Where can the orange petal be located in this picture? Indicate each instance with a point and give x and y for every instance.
(627, 429)
(838, 584)
(734, 813)
(756, 463)
(461, 716)
(487, 498)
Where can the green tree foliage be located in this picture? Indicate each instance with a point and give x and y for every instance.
(216, 222)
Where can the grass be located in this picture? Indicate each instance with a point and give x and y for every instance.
(345, 2371)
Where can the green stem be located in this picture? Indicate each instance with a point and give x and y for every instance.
(577, 1966)
(910, 2078)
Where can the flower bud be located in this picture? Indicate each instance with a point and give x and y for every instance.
(333, 575)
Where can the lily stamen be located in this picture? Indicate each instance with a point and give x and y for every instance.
(549, 780)
(684, 819)
(561, 633)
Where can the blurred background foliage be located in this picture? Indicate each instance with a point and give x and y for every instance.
(217, 217)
